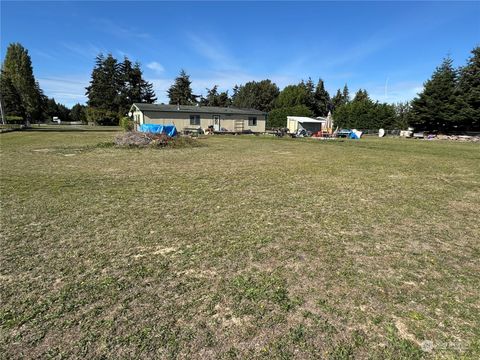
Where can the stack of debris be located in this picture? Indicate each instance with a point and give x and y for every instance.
(459, 137)
(139, 139)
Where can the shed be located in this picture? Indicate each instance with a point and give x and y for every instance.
(295, 123)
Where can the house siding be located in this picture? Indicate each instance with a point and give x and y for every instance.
(181, 120)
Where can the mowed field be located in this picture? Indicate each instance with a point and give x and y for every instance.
(246, 247)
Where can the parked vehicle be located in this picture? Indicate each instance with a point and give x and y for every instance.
(344, 133)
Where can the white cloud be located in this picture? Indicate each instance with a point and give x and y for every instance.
(120, 31)
(86, 50)
(212, 50)
(67, 92)
(155, 66)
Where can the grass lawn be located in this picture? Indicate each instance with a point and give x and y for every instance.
(247, 247)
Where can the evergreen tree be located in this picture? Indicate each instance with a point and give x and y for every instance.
(148, 94)
(337, 100)
(114, 87)
(211, 99)
(134, 88)
(63, 112)
(361, 95)
(436, 108)
(10, 98)
(363, 113)
(293, 95)
(214, 98)
(259, 95)
(235, 90)
(105, 90)
(223, 99)
(322, 100)
(17, 68)
(181, 92)
(78, 113)
(310, 101)
(310, 85)
(468, 117)
(131, 89)
(50, 108)
(345, 94)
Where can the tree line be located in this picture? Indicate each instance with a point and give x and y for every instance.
(114, 86)
(449, 101)
(303, 99)
(21, 95)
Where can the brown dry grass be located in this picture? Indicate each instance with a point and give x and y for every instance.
(247, 247)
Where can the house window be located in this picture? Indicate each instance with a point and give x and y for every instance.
(194, 119)
(252, 121)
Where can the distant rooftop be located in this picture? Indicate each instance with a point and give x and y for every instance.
(197, 109)
(303, 119)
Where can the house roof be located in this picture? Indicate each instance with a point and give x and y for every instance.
(197, 109)
(303, 119)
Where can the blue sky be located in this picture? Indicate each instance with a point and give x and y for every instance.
(388, 48)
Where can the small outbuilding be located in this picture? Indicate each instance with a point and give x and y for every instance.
(295, 123)
(189, 118)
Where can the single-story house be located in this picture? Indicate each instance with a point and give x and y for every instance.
(191, 117)
(295, 123)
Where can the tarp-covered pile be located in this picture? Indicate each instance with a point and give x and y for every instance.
(355, 134)
(169, 130)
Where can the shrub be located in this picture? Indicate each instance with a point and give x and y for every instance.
(126, 124)
(101, 116)
(14, 119)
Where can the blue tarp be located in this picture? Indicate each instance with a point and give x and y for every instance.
(169, 130)
(352, 135)
(355, 134)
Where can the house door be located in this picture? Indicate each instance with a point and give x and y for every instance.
(216, 122)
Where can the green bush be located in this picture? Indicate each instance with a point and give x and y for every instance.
(10, 119)
(98, 116)
(126, 124)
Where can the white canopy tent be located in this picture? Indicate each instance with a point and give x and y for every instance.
(294, 123)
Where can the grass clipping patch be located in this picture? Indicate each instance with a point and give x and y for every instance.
(135, 139)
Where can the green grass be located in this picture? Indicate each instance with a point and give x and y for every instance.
(248, 247)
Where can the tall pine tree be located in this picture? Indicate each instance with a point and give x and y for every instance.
(437, 106)
(18, 80)
(214, 98)
(11, 99)
(114, 87)
(469, 93)
(361, 95)
(337, 100)
(106, 84)
(134, 88)
(322, 99)
(345, 94)
(181, 91)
